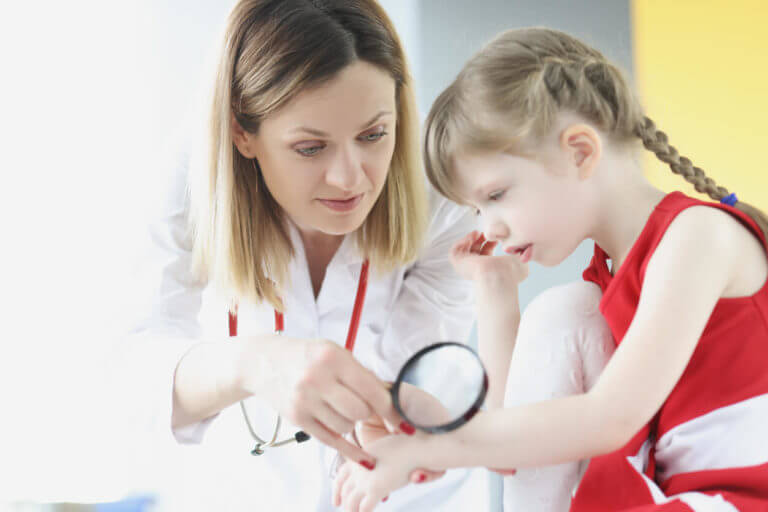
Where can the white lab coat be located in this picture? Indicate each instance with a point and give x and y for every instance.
(210, 465)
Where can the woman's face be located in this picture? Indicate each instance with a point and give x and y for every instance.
(325, 155)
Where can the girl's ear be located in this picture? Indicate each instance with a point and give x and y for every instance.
(583, 147)
(244, 141)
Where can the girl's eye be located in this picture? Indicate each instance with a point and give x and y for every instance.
(373, 137)
(310, 150)
(496, 195)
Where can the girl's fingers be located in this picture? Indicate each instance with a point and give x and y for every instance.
(352, 502)
(368, 504)
(478, 243)
(347, 489)
(423, 476)
(338, 484)
(488, 248)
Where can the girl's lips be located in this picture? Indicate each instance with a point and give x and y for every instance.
(342, 205)
(523, 251)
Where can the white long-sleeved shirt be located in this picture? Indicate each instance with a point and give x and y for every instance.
(404, 311)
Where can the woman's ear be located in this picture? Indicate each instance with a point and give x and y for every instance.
(583, 147)
(244, 141)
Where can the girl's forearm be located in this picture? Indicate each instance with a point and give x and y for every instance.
(498, 317)
(541, 434)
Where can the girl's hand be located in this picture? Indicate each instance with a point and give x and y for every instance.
(429, 410)
(358, 490)
(472, 258)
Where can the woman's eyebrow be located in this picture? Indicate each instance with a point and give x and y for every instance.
(376, 118)
(320, 133)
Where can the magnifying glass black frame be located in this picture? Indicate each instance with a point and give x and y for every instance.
(447, 427)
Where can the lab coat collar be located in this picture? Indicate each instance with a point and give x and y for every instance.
(341, 276)
(347, 254)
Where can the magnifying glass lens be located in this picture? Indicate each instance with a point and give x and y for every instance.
(441, 387)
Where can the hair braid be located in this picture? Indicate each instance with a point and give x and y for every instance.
(657, 141)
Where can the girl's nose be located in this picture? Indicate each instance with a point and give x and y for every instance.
(495, 230)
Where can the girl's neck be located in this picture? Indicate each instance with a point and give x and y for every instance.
(626, 205)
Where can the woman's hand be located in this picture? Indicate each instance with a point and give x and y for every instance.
(472, 257)
(319, 387)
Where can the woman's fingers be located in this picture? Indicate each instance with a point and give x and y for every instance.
(335, 422)
(346, 449)
(504, 472)
(346, 403)
(375, 393)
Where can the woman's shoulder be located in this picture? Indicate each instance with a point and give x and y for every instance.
(444, 214)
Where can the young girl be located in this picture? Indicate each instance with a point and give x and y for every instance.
(538, 133)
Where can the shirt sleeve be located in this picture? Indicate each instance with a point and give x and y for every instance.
(165, 325)
(434, 303)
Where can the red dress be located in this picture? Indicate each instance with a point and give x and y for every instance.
(707, 447)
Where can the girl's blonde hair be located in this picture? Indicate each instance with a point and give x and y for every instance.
(273, 50)
(515, 87)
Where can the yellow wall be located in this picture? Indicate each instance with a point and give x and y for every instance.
(702, 74)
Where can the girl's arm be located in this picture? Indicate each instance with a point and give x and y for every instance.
(496, 279)
(694, 264)
(688, 273)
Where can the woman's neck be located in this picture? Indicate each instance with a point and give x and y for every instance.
(319, 249)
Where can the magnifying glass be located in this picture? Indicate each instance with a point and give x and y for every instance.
(441, 387)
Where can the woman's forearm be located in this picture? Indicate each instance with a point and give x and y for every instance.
(209, 377)
(205, 382)
(498, 317)
(545, 433)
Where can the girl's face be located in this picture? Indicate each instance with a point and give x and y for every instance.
(532, 207)
(325, 155)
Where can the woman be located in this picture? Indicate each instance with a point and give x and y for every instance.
(311, 174)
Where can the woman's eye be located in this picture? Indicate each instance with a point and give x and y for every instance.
(310, 151)
(373, 137)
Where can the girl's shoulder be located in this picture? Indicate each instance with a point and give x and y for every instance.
(713, 230)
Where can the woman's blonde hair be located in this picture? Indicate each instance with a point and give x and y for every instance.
(514, 89)
(273, 50)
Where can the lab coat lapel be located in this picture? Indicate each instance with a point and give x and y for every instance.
(341, 277)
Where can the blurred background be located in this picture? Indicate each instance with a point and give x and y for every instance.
(95, 95)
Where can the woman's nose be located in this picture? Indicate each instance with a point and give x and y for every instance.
(345, 171)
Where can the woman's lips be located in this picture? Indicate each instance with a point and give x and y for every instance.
(523, 251)
(342, 205)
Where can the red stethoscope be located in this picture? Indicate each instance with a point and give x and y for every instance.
(354, 323)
